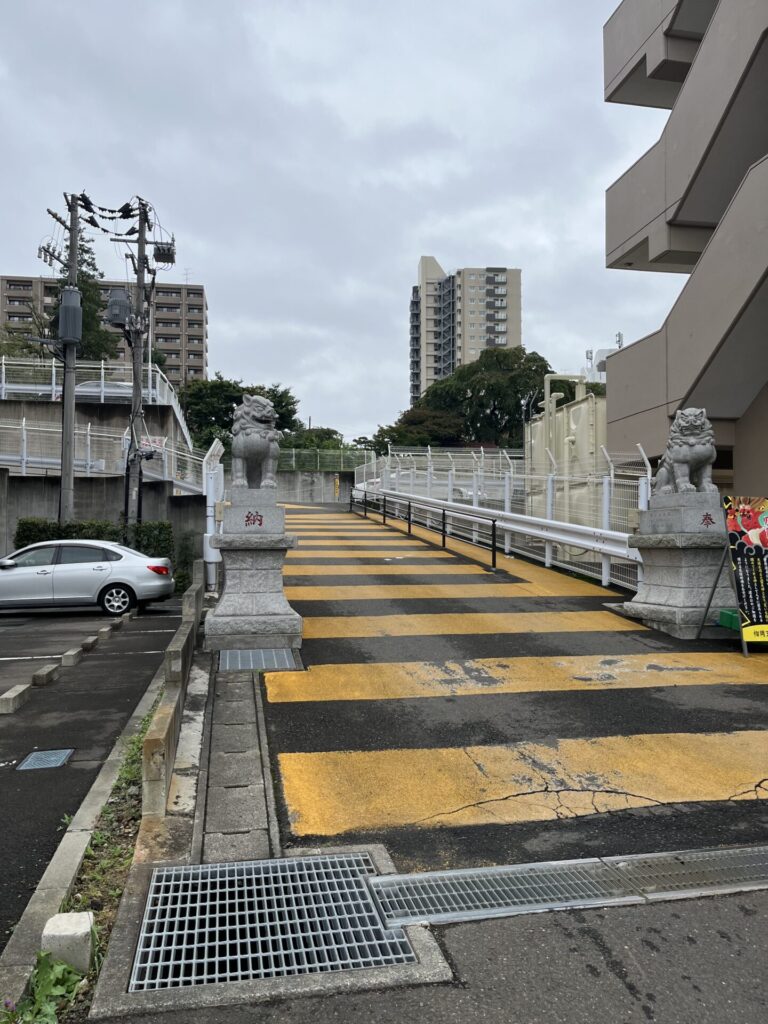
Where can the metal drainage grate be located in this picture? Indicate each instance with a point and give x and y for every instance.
(661, 876)
(441, 897)
(258, 660)
(45, 759)
(212, 923)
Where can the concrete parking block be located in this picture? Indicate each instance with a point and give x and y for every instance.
(45, 675)
(104, 632)
(14, 698)
(69, 937)
(72, 656)
(89, 643)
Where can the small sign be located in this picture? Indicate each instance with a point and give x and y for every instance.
(747, 525)
(254, 519)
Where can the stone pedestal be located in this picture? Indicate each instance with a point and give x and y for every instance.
(252, 611)
(681, 538)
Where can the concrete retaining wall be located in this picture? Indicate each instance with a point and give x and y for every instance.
(162, 736)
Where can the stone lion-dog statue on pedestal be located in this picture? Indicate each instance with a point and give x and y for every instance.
(254, 443)
(686, 465)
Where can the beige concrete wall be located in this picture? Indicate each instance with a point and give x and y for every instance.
(750, 456)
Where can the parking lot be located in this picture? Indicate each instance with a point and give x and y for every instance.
(86, 708)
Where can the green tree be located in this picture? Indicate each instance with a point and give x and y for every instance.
(98, 343)
(488, 395)
(209, 406)
(314, 437)
(417, 428)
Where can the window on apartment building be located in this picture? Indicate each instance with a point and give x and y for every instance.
(19, 318)
(17, 302)
(168, 295)
(19, 286)
(168, 309)
(194, 295)
(500, 291)
(194, 309)
(195, 324)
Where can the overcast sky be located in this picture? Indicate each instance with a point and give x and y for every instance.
(306, 153)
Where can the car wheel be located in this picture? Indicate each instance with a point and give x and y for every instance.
(116, 599)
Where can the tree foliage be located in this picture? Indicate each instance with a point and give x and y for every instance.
(209, 407)
(313, 437)
(98, 343)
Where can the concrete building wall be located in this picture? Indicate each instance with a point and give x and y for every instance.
(696, 202)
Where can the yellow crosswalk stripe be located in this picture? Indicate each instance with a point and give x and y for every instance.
(326, 627)
(372, 553)
(452, 569)
(417, 590)
(400, 680)
(341, 791)
(395, 542)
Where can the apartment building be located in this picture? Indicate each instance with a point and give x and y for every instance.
(696, 203)
(454, 317)
(179, 319)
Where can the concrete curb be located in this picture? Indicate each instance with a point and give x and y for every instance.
(18, 958)
(12, 699)
(47, 674)
(273, 826)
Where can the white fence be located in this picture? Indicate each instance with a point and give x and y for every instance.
(35, 449)
(43, 379)
(576, 509)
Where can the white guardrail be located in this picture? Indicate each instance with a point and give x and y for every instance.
(509, 531)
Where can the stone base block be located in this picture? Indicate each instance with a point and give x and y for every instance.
(252, 641)
(68, 937)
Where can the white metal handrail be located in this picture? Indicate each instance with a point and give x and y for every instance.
(603, 542)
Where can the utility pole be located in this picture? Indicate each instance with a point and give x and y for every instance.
(137, 354)
(70, 335)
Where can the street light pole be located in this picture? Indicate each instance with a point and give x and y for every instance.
(70, 334)
(137, 354)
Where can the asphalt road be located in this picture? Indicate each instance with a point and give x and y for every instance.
(85, 708)
(690, 962)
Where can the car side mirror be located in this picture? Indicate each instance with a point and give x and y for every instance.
(7, 563)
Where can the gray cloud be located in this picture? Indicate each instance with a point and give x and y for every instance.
(307, 152)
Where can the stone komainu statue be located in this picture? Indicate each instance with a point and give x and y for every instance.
(686, 465)
(254, 443)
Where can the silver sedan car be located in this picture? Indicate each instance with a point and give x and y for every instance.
(77, 572)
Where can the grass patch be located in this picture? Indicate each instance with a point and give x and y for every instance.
(100, 882)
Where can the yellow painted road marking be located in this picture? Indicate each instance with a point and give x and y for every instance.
(346, 542)
(373, 553)
(416, 590)
(342, 791)
(326, 627)
(537, 574)
(455, 569)
(402, 680)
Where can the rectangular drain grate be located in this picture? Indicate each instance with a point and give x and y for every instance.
(661, 876)
(268, 660)
(213, 923)
(45, 759)
(442, 897)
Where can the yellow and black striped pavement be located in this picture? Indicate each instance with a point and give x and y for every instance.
(464, 717)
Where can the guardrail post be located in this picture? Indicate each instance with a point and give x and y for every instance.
(365, 504)
(410, 518)
(475, 502)
(507, 505)
(53, 380)
(493, 543)
(384, 510)
(88, 450)
(443, 527)
(451, 480)
(24, 446)
(643, 493)
(2, 378)
(101, 383)
(606, 559)
(548, 546)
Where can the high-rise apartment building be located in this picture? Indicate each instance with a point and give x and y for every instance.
(179, 319)
(695, 203)
(454, 317)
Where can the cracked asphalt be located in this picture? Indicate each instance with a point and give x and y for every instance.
(463, 717)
